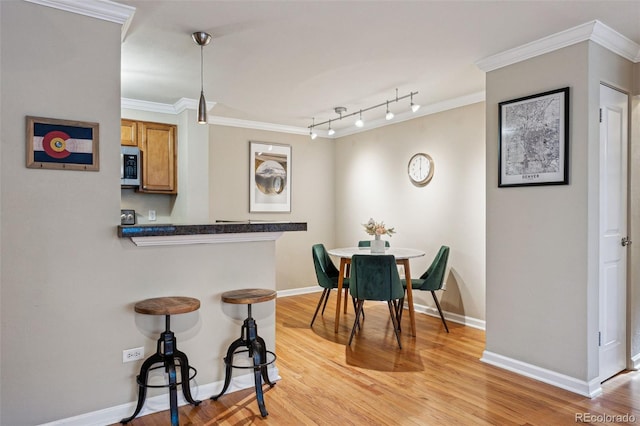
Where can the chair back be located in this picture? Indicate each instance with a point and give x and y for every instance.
(375, 277)
(326, 271)
(434, 276)
(367, 243)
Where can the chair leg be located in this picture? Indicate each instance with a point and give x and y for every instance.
(355, 309)
(326, 299)
(394, 320)
(400, 311)
(360, 304)
(322, 297)
(184, 373)
(435, 299)
(257, 376)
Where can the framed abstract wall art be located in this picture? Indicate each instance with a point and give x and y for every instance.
(269, 177)
(534, 140)
(62, 144)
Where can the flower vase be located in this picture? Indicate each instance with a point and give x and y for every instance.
(377, 245)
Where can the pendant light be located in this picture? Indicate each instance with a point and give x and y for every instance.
(202, 39)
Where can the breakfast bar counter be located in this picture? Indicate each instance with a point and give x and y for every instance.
(219, 232)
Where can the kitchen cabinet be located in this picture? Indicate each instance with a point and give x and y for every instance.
(158, 149)
(129, 133)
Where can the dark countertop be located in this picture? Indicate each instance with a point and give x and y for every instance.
(222, 227)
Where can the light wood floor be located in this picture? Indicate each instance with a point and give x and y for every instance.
(436, 379)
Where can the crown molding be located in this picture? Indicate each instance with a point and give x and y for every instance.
(105, 10)
(594, 31)
(176, 108)
(100, 9)
(185, 103)
(258, 125)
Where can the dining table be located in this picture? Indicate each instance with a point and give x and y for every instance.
(402, 255)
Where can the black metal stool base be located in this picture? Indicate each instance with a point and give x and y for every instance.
(257, 349)
(166, 354)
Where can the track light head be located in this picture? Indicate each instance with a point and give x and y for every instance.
(414, 107)
(359, 122)
(389, 115)
(330, 132)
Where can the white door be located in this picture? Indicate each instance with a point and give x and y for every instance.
(613, 231)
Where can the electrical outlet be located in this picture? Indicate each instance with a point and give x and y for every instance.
(152, 215)
(134, 354)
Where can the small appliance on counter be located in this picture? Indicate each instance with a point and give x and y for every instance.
(129, 166)
(127, 217)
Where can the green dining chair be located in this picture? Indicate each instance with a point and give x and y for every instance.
(367, 243)
(327, 275)
(432, 280)
(375, 278)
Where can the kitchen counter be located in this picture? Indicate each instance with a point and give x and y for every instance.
(219, 232)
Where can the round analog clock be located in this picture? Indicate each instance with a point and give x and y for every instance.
(420, 169)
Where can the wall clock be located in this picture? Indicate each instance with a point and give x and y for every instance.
(420, 169)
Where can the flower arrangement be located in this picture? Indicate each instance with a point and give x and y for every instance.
(377, 228)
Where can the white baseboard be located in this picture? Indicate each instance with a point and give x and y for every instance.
(450, 316)
(159, 403)
(589, 389)
(635, 362)
(297, 291)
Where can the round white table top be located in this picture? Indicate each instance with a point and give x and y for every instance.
(398, 252)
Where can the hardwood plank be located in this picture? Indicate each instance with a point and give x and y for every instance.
(436, 379)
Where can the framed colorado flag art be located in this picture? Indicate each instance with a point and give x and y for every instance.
(62, 144)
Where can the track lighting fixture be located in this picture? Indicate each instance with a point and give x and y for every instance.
(359, 122)
(201, 39)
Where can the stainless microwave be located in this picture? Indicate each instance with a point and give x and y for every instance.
(129, 166)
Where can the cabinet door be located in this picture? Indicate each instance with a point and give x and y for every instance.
(128, 133)
(158, 148)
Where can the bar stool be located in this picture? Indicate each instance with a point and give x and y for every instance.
(250, 340)
(167, 353)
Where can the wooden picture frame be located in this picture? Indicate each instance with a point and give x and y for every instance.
(62, 144)
(534, 140)
(269, 177)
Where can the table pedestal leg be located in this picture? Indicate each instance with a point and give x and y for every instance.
(407, 276)
(343, 263)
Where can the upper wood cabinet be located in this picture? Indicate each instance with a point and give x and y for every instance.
(158, 149)
(129, 133)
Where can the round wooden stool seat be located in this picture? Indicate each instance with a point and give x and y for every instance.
(167, 305)
(248, 296)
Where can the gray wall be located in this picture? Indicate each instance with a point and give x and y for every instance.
(371, 168)
(67, 283)
(542, 288)
(312, 194)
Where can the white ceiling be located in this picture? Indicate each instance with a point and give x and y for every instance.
(284, 62)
